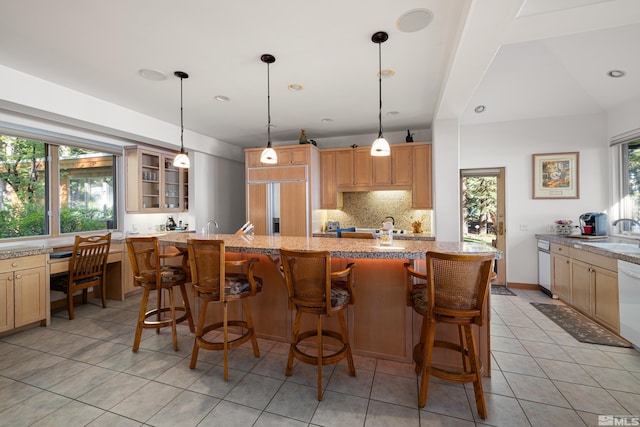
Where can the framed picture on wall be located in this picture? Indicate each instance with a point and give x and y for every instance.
(555, 176)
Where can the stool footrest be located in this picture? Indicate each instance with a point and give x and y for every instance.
(148, 323)
(219, 345)
(327, 359)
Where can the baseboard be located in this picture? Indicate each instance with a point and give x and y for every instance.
(529, 286)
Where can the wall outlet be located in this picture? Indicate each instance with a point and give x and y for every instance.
(552, 227)
(524, 227)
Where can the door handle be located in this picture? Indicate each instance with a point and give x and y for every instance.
(500, 228)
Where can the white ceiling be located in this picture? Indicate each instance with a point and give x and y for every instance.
(521, 59)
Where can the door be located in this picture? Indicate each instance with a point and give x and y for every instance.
(483, 212)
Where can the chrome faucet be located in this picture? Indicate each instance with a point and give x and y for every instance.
(393, 220)
(211, 221)
(633, 221)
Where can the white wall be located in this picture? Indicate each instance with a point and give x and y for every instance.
(511, 145)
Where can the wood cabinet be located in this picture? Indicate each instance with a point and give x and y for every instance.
(288, 192)
(344, 169)
(153, 183)
(289, 155)
(329, 196)
(594, 287)
(23, 291)
(560, 272)
(421, 189)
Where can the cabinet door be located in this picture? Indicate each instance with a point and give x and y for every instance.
(30, 296)
(606, 307)
(344, 169)
(561, 276)
(421, 189)
(293, 156)
(362, 168)
(172, 185)
(293, 208)
(328, 192)
(6, 301)
(581, 286)
(258, 207)
(381, 170)
(401, 165)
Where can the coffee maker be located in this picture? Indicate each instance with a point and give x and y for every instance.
(593, 224)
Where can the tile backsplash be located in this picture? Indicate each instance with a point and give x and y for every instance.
(367, 209)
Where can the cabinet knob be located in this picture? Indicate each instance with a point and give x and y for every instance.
(14, 264)
(18, 276)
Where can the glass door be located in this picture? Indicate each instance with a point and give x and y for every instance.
(150, 179)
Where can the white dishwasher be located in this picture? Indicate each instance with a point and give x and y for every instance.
(544, 267)
(629, 301)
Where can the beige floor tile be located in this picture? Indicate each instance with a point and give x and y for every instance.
(147, 401)
(589, 399)
(187, 409)
(294, 401)
(337, 409)
(535, 389)
(382, 414)
(542, 415)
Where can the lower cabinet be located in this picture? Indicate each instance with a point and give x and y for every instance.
(588, 282)
(594, 287)
(23, 297)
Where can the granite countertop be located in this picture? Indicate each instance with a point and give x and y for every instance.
(10, 252)
(339, 248)
(405, 236)
(583, 244)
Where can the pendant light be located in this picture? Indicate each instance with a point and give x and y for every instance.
(181, 160)
(380, 146)
(268, 155)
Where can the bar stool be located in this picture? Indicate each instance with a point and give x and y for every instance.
(314, 289)
(455, 292)
(214, 284)
(151, 274)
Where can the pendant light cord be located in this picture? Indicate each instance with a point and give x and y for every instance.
(380, 88)
(181, 120)
(268, 108)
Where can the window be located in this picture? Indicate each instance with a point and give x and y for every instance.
(630, 185)
(76, 183)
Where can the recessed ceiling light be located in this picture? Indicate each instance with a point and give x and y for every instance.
(480, 109)
(149, 74)
(386, 73)
(393, 113)
(295, 87)
(414, 20)
(327, 120)
(222, 98)
(616, 73)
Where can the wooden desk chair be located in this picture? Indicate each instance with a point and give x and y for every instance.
(456, 290)
(151, 274)
(357, 235)
(314, 289)
(213, 283)
(87, 269)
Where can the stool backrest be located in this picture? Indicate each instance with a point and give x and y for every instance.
(458, 284)
(144, 256)
(207, 262)
(308, 278)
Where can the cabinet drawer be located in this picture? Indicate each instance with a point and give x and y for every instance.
(21, 263)
(559, 249)
(595, 259)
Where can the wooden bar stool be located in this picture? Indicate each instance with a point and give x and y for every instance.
(314, 289)
(151, 274)
(455, 292)
(214, 284)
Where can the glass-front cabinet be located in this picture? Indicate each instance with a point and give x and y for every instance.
(153, 184)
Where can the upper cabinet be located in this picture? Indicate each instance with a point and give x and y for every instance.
(289, 155)
(407, 168)
(153, 183)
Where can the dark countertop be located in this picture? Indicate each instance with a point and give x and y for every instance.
(581, 243)
(406, 236)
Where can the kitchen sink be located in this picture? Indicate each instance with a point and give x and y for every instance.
(625, 248)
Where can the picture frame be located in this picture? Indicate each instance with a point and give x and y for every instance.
(556, 176)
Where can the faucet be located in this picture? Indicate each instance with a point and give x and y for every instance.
(211, 221)
(633, 221)
(393, 220)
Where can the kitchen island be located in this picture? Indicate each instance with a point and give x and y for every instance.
(380, 322)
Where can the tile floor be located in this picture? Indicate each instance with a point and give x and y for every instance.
(83, 372)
